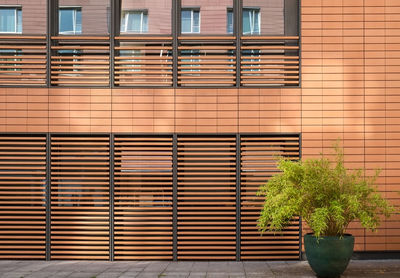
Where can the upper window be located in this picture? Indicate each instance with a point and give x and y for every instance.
(229, 21)
(134, 22)
(146, 17)
(251, 21)
(207, 17)
(70, 19)
(10, 20)
(190, 20)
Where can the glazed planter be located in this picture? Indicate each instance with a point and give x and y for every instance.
(330, 255)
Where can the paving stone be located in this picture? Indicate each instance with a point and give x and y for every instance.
(198, 275)
(200, 267)
(83, 275)
(174, 275)
(129, 274)
(149, 275)
(109, 274)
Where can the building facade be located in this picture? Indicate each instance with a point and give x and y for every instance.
(142, 129)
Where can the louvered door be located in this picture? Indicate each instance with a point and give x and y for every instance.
(206, 197)
(80, 197)
(22, 197)
(143, 197)
(258, 163)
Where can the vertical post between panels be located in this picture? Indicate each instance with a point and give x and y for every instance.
(175, 32)
(175, 197)
(237, 11)
(238, 204)
(300, 220)
(48, 196)
(111, 197)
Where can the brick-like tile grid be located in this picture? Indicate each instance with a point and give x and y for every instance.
(350, 90)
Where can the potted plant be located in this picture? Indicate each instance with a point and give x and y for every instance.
(328, 197)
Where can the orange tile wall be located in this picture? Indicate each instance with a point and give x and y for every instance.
(350, 90)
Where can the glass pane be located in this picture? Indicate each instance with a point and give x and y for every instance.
(155, 16)
(66, 21)
(266, 17)
(7, 20)
(209, 17)
(90, 18)
(229, 19)
(19, 20)
(186, 23)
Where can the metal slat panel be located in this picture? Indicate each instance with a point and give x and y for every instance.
(79, 197)
(143, 198)
(258, 164)
(22, 197)
(206, 198)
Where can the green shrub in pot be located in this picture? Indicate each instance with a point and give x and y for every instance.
(328, 197)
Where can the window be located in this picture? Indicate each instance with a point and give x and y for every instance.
(70, 19)
(134, 21)
(229, 21)
(251, 21)
(10, 20)
(190, 21)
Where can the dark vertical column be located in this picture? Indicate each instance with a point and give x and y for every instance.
(48, 197)
(114, 31)
(175, 28)
(238, 203)
(291, 17)
(300, 220)
(52, 24)
(175, 197)
(111, 200)
(237, 31)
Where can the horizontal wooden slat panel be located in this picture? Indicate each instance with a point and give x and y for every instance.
(269, 61)
(258, 163)
(139, 63)
(206, 208)
(200, 57)
(76, 61)
(19, 53)
(143, 221)
(79, 197)
(22, 204)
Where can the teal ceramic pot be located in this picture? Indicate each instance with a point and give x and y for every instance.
(330, 255)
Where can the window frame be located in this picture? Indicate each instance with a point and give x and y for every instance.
(16, 8)
(230, 11)
(126, 19)
(74, 17)
(192, 10)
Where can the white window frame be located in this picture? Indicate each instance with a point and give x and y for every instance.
(16, 8)
(253, 10)
(192, 10)
(75, 9)
(126, 19)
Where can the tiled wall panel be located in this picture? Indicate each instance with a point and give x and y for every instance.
(350, 90)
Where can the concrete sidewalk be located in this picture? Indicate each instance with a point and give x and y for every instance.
(142, 269)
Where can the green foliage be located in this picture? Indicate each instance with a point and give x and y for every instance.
(324, 193)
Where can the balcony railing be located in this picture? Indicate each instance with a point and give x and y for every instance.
(150, 61)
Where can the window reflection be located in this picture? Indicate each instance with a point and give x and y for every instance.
(146, 16)
(70, 20)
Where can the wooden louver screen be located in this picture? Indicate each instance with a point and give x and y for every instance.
(80, 61)
(258, 164)
(206, 198)
(80, 197)
(22, 197)
(143, 198)
(150, 173)
(143, 61)
(23, 60)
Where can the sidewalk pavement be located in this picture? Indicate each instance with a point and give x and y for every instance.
(198, 269)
